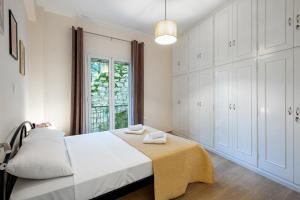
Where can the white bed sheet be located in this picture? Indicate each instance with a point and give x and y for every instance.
(102, 162)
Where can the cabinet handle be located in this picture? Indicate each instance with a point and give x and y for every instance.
(297, 21)
(178, 63)
(297, 114)
(199, 104)
(230, 106)
(290, 21)
(233, 43)
(233, 106)
(290, 111)
(178, 102)
(229, 43)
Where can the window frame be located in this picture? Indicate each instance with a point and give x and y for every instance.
(111, 72)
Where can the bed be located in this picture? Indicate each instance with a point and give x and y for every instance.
(105, 165)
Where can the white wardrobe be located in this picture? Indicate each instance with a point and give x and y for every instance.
(193, 84)
(235, 110)
(240, 86)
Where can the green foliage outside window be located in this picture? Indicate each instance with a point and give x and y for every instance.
(99, 119)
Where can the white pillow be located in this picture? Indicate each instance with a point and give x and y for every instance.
(45, 132)
(43, 155)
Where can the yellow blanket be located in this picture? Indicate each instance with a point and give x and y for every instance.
(175, 164)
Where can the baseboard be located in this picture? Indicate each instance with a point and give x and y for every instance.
(257, 170)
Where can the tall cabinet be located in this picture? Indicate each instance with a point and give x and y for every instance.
(201, 45)
(180, 104)
(235, 110)
(181, 56)
(235, 32)
(223, 117)
(275, 22)
(275, 109)
(223, 36)
(201, 106)
(297, 116)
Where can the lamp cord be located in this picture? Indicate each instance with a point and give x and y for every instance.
(165, 9)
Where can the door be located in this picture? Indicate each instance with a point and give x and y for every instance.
(244, 29)
(194, 52)
(297, 23)
(222, 104)
(108, 94)
(183, 85)
(184, 54)
(275, 29)
(275, 119)
(181, 56)
(194, 106)
(205, 52)
(206, 107)
(223, 36)
(244, 111)
(176, 58)
(176, 104)
(297, 115)
(180, 104)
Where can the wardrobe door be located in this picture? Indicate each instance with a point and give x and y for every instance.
(205, 105)
(222, 104)
(183, 104)
(223, 36)
(194, 49)
(194, 107)
(275, 119)
(297, 23)
(176, 58)
(297, 115)
(176, 105)
(275, 30)
(184, 53)
(244, 109)
(244, 29)
(205, 52)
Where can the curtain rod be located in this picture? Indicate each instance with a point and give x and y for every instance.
(112, 38)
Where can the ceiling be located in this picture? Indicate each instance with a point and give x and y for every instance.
(139, 15)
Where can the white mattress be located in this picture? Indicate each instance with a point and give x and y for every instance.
(102, 162)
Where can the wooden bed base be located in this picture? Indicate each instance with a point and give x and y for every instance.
(7, 181)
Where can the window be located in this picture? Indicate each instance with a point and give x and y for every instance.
(108, 94)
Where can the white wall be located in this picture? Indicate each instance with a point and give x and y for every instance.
(51, 59)
(12, 84)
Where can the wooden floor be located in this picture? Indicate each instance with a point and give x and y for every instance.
(233, 182)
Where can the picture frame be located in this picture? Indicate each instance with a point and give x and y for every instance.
(13, 36)
(2, 16)
(22, 58)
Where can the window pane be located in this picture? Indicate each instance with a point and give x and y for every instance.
(121, 97)
(99, 113)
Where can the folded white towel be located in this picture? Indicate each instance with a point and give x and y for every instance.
(137, 127)
(157, 134)
(139, 132)
(149, 140)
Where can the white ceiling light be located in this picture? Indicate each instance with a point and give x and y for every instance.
(166, 30)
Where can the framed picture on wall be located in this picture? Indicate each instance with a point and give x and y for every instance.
(22, 58)
(2, 16)
(13, 36)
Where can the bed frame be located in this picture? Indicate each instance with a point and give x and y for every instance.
(7, 181)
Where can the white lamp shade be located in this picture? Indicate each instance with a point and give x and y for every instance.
(166, 32)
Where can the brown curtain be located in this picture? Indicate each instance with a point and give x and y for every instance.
(77, 103)
(137, 101)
